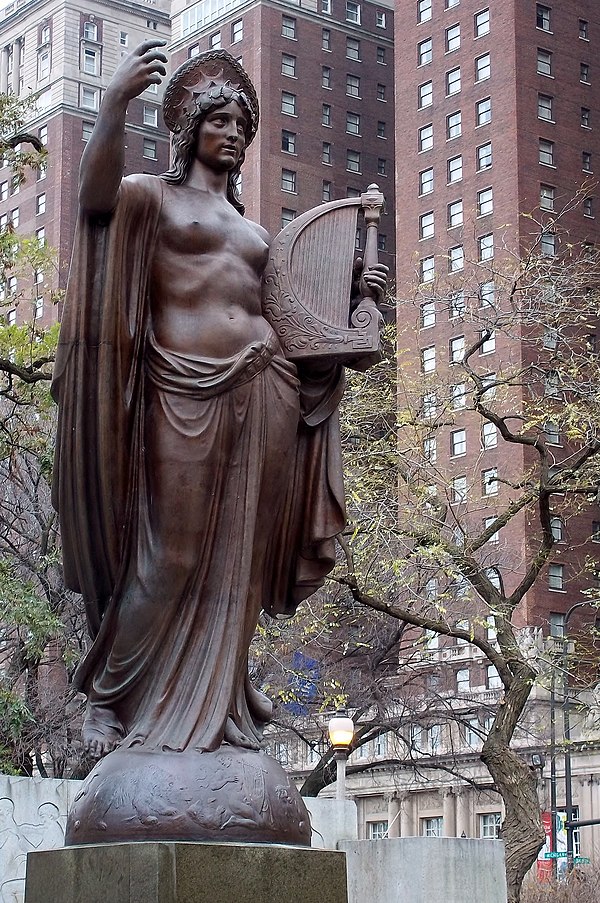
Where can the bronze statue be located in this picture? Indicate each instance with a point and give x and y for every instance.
(197, 478)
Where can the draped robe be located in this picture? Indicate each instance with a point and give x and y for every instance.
(190, 492)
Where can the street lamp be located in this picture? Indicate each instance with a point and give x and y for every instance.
(567, 737)
(341, 734)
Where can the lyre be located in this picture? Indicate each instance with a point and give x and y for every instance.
(308, 282)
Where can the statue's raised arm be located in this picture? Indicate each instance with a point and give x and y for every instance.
(104, 156)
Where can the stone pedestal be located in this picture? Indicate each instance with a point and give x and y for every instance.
(186, 873)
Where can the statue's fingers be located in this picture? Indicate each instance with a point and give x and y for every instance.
(150, 44)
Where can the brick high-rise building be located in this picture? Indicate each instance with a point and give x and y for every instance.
(495, 135)
(324, 75)
(64, 53)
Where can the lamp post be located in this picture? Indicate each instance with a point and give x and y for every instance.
(341, 734)
(567, 736)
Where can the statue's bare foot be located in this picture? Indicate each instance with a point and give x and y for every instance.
(102, 731)
(235, 736)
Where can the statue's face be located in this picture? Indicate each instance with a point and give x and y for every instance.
(6, 812)
(222, 137)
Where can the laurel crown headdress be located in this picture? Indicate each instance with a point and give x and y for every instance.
(206, 81)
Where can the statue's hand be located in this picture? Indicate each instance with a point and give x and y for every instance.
(370, 282)
(141, 68)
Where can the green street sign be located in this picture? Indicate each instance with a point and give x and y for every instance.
(556, 854)
(581, 860)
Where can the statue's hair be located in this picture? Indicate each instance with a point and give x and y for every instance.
(183, 144)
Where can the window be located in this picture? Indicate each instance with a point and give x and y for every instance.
(326, 114)
(463, 680)
(488, 341)
(326, 194)
(288, 142)
(489, 481)
(326, 7)
(458, 443)
(89, 98)
(426, 225)
(487, 293)
(288, 27)
(381, 55)
(482, 67)
(215, 41)
(381, 166)
(353, 85)
(455, 214)
(426, 137)
(428, 359)
(353, 123)
(453, 125)
(485, 203)
(352, 49)
(459, 489)
(288, 103)
(380, 18)
(326, 153)
(288, 180)
(424, 51)
(288, 65)
(353, 12)
(458, 396)
(584, 73)
(544, 62)
(485, 247)
(457, 304)
(483, 111)
(40, 235)
(583, 30)
(489, 825)
(546, 151)
(11, 317)
(45, 34)
(542, 17)
(43, 64)
(434, 739)
(457, 349)
(377, 830)
(149, 149)
(494, 538)
(287, 216)
(326, 39)
(90, 31)
(547, 193)
(456, 259)
(551, 433)
(473, 733)
(86, 130)
(548, 244)
(482, 23)
(353, 161)
(381, 129)
(585, 118)
(430, 450)
(432, 827)
(453, 81)
(545, 107)
(557, 527)
(427, 313)
(150, 115)
(326, 77)
(484, 156)
(380, 91)
(237, 31)
(556, 576)
(452, 38)
(14, 217)
(556, 624)
(40, 204)
(588, 206)
(493, 680)
(427, 273)
(489, 435)
(454, 168)
(3, 191)
(426, 181)
(425, 95)
(586, 161)
(423, 10)
(450, 3)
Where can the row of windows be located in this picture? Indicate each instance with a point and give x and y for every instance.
(289, 146)
(456, 349)
(289, 177)
(353, 48)
(547, 155)
(289, 24)
(455, 258)
(454, 168)
(13, 216)
(483, 115)
(451, 44)
(543, 20)
(353, 84)
(481, 19)
(453, 86)
(545, 66)
(455, 213)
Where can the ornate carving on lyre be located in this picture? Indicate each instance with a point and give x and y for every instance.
(308, 283)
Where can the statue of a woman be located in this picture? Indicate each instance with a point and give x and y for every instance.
(198, 478)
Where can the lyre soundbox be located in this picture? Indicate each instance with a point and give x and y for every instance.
(308, 282)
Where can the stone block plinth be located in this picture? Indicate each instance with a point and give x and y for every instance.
(166, 872)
